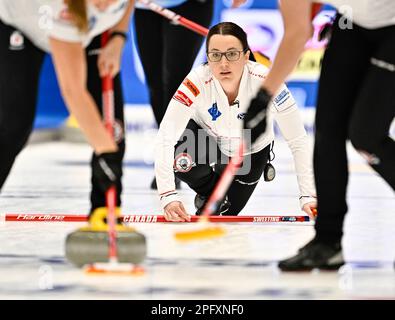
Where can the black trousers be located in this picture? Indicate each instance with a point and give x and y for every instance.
(209, 162)
(356, 101)
(167, 51)
(19, 76)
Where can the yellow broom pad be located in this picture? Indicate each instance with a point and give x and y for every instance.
(205, 232)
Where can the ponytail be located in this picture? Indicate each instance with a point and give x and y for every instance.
(252, 57)
(78, 11)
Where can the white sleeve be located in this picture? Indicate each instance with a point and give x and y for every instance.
(291, 126)
(178, 114)
(63, 27)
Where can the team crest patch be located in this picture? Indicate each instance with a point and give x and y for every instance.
(214, 112)
(182, 98)
(17, 41)
(191, 86)
(183, 163)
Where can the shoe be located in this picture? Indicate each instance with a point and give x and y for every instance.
(200, 202)
(315, 255)
(176, 180)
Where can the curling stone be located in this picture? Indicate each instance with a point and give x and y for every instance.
(89, 244)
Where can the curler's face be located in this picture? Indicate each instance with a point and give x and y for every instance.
(102, 5)
(226, 57)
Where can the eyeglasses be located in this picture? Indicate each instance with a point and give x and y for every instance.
(216, 56)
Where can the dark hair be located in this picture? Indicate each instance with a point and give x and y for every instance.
(231, 29)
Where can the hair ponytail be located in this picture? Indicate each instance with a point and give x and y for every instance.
(78, 11)
(252, 57)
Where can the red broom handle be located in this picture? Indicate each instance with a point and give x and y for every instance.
(111, 193)
(147, 218)
(175, 18)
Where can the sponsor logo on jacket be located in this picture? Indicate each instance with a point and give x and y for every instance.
(181, 97)
(191, 86)
(282, 97)
(208, 81)
(261, 76)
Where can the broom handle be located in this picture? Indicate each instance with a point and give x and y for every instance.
(147, 218)
(111, 193)
(224, 183)
(175, 18)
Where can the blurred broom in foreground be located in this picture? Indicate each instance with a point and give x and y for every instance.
(207, 230)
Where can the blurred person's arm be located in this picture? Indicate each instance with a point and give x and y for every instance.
(109, 59)
(238, 3)
(297, 30)
(70, 65)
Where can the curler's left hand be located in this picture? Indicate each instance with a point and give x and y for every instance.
(311, 209)
(109, 60)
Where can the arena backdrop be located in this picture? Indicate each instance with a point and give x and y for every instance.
(262, 22)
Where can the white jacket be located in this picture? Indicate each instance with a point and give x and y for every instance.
(195, 99)
(41, 19)
(370, 14)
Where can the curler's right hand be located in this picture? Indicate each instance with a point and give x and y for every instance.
(176, 212)
(107, 170)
